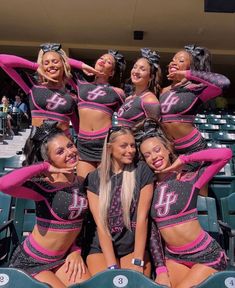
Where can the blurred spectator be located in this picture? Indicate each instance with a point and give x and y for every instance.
(20, 107)
(5, 107)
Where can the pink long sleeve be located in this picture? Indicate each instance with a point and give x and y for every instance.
(75, 63)
(10, 62)
(214, 83)
(12, 183)
(17, 62)
(217, 157)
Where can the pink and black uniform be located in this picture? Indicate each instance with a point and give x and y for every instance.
(104, 98)
(135, 109)
(181, 103)
(123, 239)
(47, 103)
(175, 202)
(59, 208)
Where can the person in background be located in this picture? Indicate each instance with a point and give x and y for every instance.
(6, 108)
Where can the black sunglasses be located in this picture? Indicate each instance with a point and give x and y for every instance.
(46, 47)
(115, 129)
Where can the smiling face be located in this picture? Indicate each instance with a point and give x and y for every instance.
(53, 66)
(155, 153)
(62, 152)
(106, 64)
(181, 61)
(140, 73)
(123, 150)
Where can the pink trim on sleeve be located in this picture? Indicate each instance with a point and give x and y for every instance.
(75, 63)
(12, 183)
(218, 158)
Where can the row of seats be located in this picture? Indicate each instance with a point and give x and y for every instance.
(111, 279)
(24, 219)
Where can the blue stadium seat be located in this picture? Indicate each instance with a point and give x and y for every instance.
(216, 121)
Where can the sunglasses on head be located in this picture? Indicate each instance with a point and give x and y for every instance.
(115, 129)
(46, 47)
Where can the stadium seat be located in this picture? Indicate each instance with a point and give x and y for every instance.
(228, 225)
(10, 277)
(216, 121)
(224, 137)
(200, 120)
(24, 218)
(228, 127)
(6, 228)
(118, 278)
(209, 127)
(224, 279)
(231, 121)
(10, 163)
(213, 116)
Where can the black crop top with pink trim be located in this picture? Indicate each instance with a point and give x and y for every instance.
(54, 104)
(101, 97)
(175, 200)
(181, 103)
(135, 109)
(58, 207)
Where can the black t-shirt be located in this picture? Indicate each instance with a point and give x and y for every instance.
(123, 239)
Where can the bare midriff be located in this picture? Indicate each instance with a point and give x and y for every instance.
(52, 240)
(93, 120)
(177, 130)
(39, 121)
(181, 234)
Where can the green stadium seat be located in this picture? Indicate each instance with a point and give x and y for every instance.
(224, 279)
(228, 127)
(228, 225)
(216, 121)
(24, 218)
(15, 278)
(209, 127)
(118, 278)
(200, 120)
(224, 137)
(6, 227)
(10, 163)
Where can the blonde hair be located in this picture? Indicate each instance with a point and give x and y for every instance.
(128, 183)
(65, 62)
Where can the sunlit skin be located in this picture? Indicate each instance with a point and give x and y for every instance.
(181, 61)
(176, 73)
(90, 119)
(122, 151)
(156, 156)
(140, 74)
(53, 66)
(62, 153)
(106, 65)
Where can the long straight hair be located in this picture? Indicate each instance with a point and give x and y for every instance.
(128, 183)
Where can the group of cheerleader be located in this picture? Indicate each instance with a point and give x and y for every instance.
(126, 195)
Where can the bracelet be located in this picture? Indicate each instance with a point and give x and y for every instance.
(137, 262)
(161, 269)
(112, 267)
